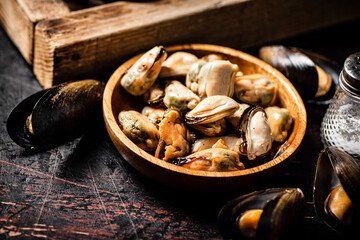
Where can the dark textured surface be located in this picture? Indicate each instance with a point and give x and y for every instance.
(85, 190)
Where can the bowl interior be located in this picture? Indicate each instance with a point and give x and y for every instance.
(117, 99)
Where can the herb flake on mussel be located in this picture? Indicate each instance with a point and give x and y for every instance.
(263, 214)
(337, 190)
(56, 115)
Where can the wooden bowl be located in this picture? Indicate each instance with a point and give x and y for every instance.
(117, 99)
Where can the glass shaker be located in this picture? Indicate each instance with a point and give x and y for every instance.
(341, 124)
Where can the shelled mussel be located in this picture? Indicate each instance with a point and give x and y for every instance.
(337, 190)
(263, 214)
(56, 115)
(314, 76)
(189, 99)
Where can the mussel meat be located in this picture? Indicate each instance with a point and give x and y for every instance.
(217, 78)
(139, 129)
(192, 80)
(154, 114)
(173, 134)
(216, 159)
(232, 142)
(255, 133)
(177, 65)
(211, 109)
(255, 89)
(263, 214)
(337, 190)
(212, 129)
(180, 97)
(280, 122)
(234, 119)
(142, 75)
(56, 115)
(155, 95)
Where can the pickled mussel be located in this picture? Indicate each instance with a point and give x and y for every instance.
(337, 190)
(280, 122)
(235, 118)
(314, 76)
(177, 64)
(232, 142)
(173, 134)
(255, 133)
(56, 115)
(211, 109)
(193, 75)
(255, 89)
(142, 75)
(139, 129)
(180, 97)
(263, 214)
(155, 95)
(217, 78)
(154, 114)
(208, 116)
(215, 159)
(192, 80)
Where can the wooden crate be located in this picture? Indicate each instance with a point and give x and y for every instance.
(63, 43)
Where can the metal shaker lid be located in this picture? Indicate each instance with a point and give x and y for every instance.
(351, 72)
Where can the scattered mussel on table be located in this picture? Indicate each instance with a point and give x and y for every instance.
(314, 76)
(337, 191)
(56, 115)
(263, 214)
(192, 107)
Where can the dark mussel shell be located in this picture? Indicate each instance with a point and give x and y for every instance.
(58, 114)
(336, 167)
(281, 207)
(299, 66)
(331, 67)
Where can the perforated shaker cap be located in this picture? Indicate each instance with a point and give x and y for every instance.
(351, 73)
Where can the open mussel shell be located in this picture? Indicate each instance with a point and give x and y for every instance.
(304, 68)
(56, 115)
(334, 168)
(281, 209)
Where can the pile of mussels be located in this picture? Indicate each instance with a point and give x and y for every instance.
(203, 113)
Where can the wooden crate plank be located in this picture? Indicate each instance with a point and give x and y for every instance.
(18, 17)
(95, 40)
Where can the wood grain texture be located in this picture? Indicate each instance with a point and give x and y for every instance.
(19, 18)
(96, 40)
(116, 99)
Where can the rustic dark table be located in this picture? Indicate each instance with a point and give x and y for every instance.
(86, 190)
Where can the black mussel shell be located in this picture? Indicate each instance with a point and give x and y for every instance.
(281, 210)
(293, 65)
(336, 167)
(332, 68)
(299, 66)
(58, 114)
